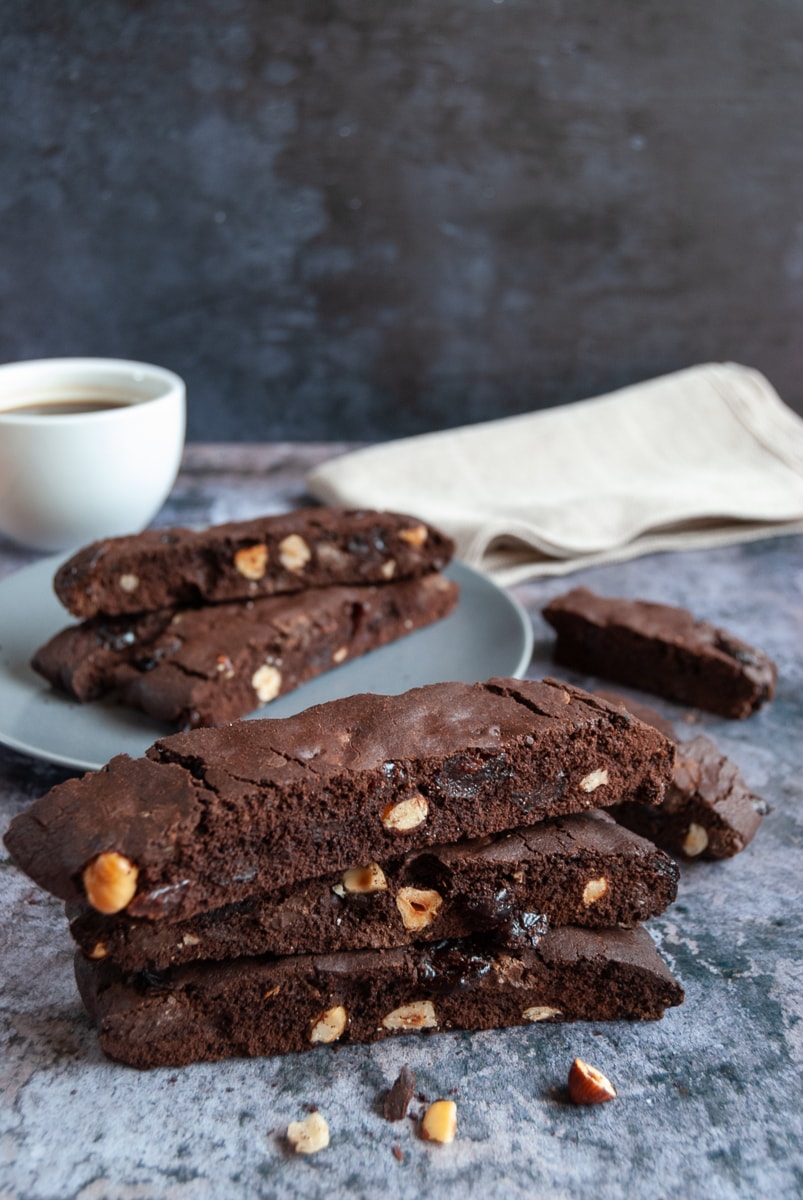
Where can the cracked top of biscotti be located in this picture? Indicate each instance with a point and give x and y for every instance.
(310, 547)
(213, 815)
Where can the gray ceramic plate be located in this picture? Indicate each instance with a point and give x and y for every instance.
(488, 634)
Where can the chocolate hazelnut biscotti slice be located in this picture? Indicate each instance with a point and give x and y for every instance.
(708, 810)
(211, 665)
(661, 649)
(258, 1006)
(212, 816)
(310, 547)
(580, 870)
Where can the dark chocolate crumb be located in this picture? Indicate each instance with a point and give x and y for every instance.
(399, 1096)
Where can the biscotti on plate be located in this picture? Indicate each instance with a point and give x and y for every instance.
(199, 628)
(211, 665)
(265, 556)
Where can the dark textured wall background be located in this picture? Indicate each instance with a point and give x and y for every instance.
(361, 219)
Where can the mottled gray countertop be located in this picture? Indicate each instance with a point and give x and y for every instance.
(709, 1098)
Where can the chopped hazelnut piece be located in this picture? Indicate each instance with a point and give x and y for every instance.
(695, 841)
(98, 951)
(224, 666)
(594, 780)
(405, 814)
(330, 556)
(364, 881)
(594, 890)
(418, 906)
(587, 1085)
(190, 939)
(440, 1122)
(267, 682)
(294, 553)
(310, 1135)
(252, 561)
(540, 1012)
(415, 536)
(110, 882)
(341, 654)
(329, 1026)
(388, 569)
(419, 1014)
(129, 583)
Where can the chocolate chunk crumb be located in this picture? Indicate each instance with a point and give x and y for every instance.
(399, 1096)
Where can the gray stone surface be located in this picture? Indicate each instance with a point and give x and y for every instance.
(709, 1102)
(365, 219)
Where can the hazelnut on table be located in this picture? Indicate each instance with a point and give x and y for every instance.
(310, 1135)
(440, 1122)
(587, 1085)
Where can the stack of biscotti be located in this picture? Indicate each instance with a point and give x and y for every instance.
(199, 628)
(372, 866)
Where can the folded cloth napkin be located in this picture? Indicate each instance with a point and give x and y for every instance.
(703, 457)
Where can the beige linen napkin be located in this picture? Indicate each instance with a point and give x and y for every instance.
(704, 457)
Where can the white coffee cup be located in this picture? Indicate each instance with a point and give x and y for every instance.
(89, 448)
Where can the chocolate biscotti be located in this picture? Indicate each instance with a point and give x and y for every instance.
(213, 816)
(661, 649)
(311, 547)
(211, 665)
(258, 1006)
(708, 810)
(580, 870)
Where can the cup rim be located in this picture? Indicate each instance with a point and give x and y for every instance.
(174, 386)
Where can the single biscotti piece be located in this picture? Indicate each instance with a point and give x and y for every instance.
(211, 665)
(579, 870)
(258, 1006)
(212, 816)
(311, 547)
(661, 649)
(708, 811)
